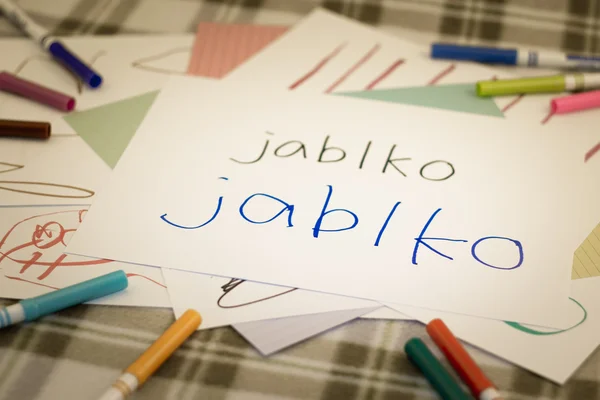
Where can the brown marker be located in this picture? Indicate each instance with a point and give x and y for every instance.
(24, 129)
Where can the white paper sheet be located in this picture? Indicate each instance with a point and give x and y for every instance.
(225, 301)
(273, 335)
(62, 171)
(552, 354)
(129, 65)
(386, 313)
(32, 241)
(485, 199)
(309, 58)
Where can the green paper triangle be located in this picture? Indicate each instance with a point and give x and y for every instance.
(109, 128)
(459, 97)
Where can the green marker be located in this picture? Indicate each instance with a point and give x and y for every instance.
(542, 84)
(434, 371)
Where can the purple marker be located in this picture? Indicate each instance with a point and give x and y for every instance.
(51, 44)
(14, 84)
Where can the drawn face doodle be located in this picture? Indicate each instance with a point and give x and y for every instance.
(42, 252)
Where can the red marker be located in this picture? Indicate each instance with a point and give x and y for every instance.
(481, 387)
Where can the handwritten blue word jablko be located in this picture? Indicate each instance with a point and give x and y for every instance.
(285, 210)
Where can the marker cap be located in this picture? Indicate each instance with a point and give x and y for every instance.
(25, 129)
(76, 294)
(30, 90)
(434, 371)
(545, 84)
(165, 345)
(576, 102)
(69, 60)
(486, 55)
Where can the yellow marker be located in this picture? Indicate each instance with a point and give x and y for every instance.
(138, 372)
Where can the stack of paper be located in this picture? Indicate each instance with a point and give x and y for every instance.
(324, 178)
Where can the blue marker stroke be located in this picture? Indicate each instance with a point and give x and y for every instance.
(219, 204)
(287, 207)
(515, 242)
(421, 240)
(385, 224)
(317, 227)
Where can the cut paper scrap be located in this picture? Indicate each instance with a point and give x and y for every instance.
(130, 65)
(32, 259)
(175, 211)
(219, 48)
(586, 262)
(109, 128)
(65, 171)
(225, 301)
(271, 336)
(553, 354)
(457, 97)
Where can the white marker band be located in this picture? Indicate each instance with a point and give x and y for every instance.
(570, 83)
(123, 387)
(490, 394)
(11, 315)
(523, 58)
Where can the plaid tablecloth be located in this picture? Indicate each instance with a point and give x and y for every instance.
(76, 354)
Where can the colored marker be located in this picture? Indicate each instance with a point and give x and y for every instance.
(20, 19)
(36, 307)
(24, 129)
(542, 84)
(441, 380)
(13, 84)
(525, 58)
(481, 387)
(138, 372)
(575, 102)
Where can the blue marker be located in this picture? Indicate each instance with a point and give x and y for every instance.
(20, 19)
(490, 55)
(36, 307)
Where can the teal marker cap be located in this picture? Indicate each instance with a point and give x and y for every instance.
(434, 371)
(72, 295)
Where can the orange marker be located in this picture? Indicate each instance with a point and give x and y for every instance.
(138, 372)
(481, 387)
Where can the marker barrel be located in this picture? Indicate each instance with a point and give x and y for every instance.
(21, 20)
(434, 371)
(30, 90)
(165, 345)
(576, 102)
(25, 129)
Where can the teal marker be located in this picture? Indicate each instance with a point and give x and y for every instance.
(441, 380)
(36, 307)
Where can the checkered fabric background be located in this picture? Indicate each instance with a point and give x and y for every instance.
(75, 354)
